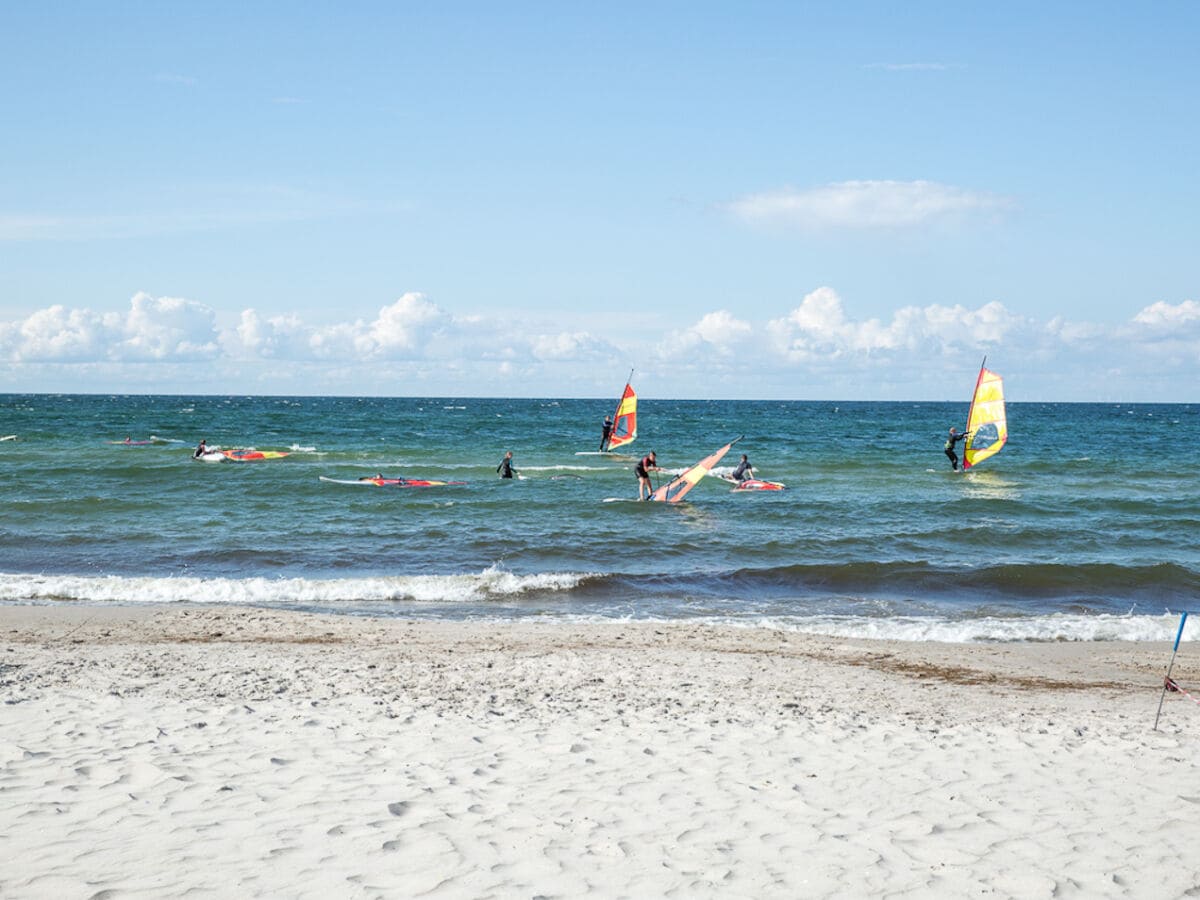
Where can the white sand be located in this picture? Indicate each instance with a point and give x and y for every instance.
(164, 751)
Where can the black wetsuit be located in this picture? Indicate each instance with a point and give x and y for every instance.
(642, 469)
(950, 442)
(742, 472)
(505, 468)
(605, 434)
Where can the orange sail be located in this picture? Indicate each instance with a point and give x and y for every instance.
(987, 422)
(624, 428)
(675, 489)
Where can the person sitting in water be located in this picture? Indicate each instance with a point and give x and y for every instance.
(646, 465)
(954, 438)
(605, 433)
(200, 450)
(505, 468)
(744, 471)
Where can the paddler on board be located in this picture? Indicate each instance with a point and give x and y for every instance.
(505, 468)
(646, 465)
(605, 433)
(953, 439)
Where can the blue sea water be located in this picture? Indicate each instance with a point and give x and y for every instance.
(1084, 527)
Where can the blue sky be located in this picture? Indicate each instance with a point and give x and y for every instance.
(750, 200)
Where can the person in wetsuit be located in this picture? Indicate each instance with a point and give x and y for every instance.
(645, 465)
(953, 439)
(200, 450)
(505, 468)
(744, 471)
(605, 433)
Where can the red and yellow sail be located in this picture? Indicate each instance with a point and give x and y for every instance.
(624, 428)
(987, 422)
(675, 489)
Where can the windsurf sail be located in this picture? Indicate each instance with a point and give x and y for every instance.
(675, 489)
(624, 428)
(987, 424)
(252, 455)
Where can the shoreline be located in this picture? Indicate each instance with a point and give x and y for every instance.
(240, 749)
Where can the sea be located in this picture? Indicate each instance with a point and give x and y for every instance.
(1085, 527)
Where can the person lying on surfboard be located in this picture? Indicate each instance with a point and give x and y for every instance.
(605, 433)
(646, 465)
(744, 471)
(954, 438)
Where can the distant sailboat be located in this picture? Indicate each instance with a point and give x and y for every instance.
(987, 422)
(675, 489)
(624, 426)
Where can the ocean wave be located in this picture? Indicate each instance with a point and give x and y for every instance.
(990, 629)
(492, 583)
(1039, 580)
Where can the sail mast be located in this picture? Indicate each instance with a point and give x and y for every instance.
(620, 399)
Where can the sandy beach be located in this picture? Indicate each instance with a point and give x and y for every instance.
(162, 751)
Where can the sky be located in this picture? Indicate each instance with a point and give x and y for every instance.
(750, 200)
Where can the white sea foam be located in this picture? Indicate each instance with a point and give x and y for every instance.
(492, 583)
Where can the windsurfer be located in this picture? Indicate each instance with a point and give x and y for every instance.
(953, 439)
(505, 468)
(744, 471)
(201, 449)
(605, 433)
(646, 465)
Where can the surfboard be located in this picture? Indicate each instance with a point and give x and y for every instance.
(390, 482)
(756, 484)
(249, 454)
(8, 437)
(212, 456)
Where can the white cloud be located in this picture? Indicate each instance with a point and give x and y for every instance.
(818, 329)
(716, 333)
(866, 204)
(818, 348)
(569, 345)
(166, 328)
(1168, 315)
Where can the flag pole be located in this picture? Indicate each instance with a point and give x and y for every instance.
(1170, 666)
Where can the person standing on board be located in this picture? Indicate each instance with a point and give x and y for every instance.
(201, 449)
(505, 468)
(605, 433)
(744, 471)
(646, 465)
(954, 438)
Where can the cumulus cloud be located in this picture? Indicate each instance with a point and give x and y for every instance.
(164, 328)
(716, 333)
(1163, 314)
(569, 345)
(818, 347)
(819, 329)
(865, 204)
